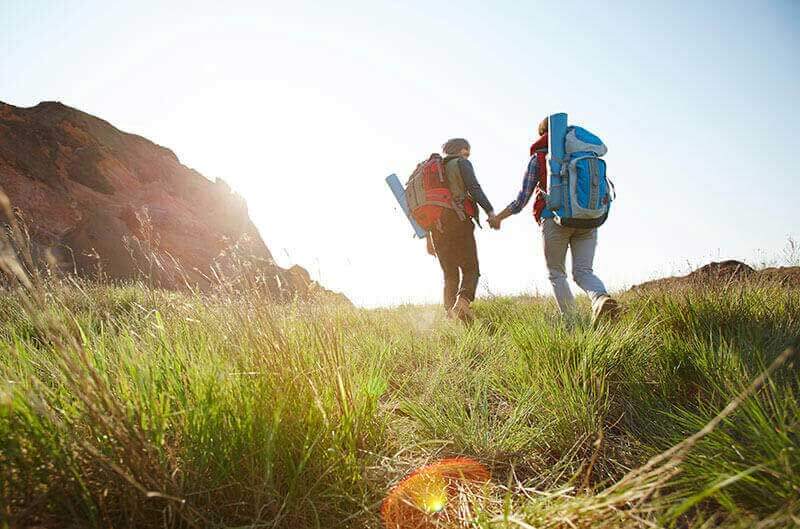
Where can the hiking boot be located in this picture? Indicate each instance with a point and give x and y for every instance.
(606, 309)
(462, 310)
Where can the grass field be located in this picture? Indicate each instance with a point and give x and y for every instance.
(132, 407)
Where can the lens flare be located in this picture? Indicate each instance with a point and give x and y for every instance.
(432, 494)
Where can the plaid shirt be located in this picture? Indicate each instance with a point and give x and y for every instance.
(529, 182)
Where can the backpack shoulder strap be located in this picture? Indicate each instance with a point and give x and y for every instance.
(456, 184)
(541, 168)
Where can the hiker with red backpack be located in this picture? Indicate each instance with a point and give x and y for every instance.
(442, 194)
(570, 212)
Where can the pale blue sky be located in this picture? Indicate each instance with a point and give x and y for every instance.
(305, 108)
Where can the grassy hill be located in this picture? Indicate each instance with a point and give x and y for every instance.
(132, 407)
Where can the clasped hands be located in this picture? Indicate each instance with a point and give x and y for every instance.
(494, 221)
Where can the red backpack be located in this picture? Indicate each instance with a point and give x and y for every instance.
(428, 193)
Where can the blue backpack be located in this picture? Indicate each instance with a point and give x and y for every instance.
(579, 194)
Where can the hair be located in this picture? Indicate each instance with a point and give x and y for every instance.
(543, 127)
(454, 145)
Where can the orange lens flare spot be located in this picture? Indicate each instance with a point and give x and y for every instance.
(427, 496)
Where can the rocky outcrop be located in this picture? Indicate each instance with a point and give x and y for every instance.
(115, 204)
(728, 272)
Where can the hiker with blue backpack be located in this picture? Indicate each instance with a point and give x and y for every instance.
(568, 209)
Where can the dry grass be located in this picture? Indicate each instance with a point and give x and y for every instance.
(129, 406)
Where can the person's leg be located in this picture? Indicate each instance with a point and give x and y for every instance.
(582, 246)
(448, 260)
(465, 256)
(451, 277)
(556, 239)
(468, 262)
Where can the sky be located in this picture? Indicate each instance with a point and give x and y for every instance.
(305, 107)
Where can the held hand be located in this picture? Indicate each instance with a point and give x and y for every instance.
(496, 220)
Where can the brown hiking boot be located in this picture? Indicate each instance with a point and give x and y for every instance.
(606, 309)
(462, 310)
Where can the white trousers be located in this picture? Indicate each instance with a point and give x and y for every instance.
(582, 243)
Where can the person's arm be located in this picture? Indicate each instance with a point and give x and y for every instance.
(473, 187)
(529, 182)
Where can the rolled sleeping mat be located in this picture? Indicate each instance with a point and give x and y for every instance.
(399, 193)
(557, 132)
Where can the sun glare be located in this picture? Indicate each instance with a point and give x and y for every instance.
(431, 496)
(434, 492)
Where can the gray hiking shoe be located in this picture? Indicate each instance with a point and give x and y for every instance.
(606, 309)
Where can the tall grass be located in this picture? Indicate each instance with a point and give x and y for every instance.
(129, 406)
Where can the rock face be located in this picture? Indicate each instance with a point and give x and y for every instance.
(727, 272)
(112, 203)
